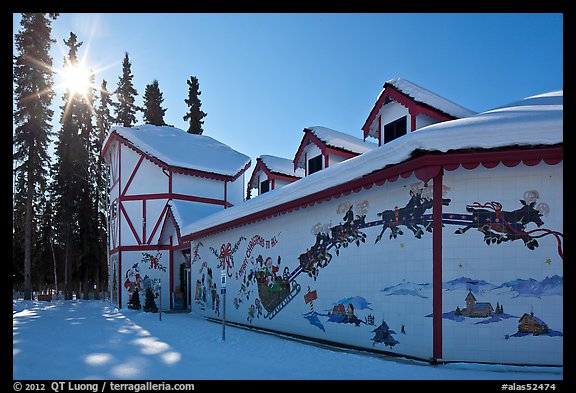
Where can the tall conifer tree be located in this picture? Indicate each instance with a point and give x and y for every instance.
(126, 94)
(153, 111)
(194, 114)
(72, 189)
(33, 80)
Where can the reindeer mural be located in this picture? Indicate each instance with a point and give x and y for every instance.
(412, 216)
(499, 225)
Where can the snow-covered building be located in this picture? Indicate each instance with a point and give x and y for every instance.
(390, 239)
(322, 147)
(272, 172)
(162, 178)
(403, 106)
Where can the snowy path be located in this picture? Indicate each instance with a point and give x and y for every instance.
(91, 340)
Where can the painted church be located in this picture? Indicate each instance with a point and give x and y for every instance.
(386, 226)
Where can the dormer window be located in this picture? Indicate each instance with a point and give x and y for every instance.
(264, 186)
(395, 129)
(315, 164)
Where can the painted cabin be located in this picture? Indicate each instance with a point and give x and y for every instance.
(161, 177)
(322, 147)
(531, 324)
(271, 172)
(403, 106)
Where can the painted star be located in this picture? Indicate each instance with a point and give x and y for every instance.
(401, 245)
(548, 261)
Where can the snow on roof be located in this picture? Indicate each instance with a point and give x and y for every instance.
(178, 148)
(189, 211)
(425, 96)
(537, 120)
(341, 140)
(283, 166)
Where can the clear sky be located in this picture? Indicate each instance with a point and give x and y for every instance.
(264, 77)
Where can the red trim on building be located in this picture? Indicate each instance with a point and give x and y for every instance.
(129, 222)
(171, 259)
(183, 197)
(144, 220)
(160, 219)
(132, 174)
(325, 149)
(175, 169)
(424, 167)
(437, 266)
(415, 108)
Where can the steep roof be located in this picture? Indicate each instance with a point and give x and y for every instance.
(425, 96)
(533, 122)
(177, 148)
(281, 166)
(334, 141)
(341, 140)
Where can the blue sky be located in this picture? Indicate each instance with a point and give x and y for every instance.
(264, 77)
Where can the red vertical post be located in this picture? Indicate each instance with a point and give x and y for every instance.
(437, 267)
(171, 261)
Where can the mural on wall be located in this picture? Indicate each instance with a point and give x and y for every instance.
(226, 255)
(133, 280)
(500, 225)
(267, 284)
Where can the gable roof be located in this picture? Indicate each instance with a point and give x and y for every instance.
(425, 96)
(410, 94)
(178, 149)
(534, 123)
(333, 141)
(276, 167)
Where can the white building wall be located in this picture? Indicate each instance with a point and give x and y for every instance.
(390, 280)
(334, 159)
(423, 120)
(197, 186)
(235, 190)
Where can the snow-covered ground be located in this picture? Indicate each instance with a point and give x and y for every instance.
(73, 340)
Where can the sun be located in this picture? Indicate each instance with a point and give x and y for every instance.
(76, 79)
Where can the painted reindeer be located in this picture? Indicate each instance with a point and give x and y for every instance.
(348, 232)
(317, 256)
(499, 225)
(411, 216)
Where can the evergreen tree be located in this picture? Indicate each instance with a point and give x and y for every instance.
(153, 111)
(149, 302)
(126, 94)
(194, 114)
(134, 302)
(33, 80)
(73, 189)
(104, 121)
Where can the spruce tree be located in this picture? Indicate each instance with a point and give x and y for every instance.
(126, 95)
(194, 114)
(73, 200)
(104, 121)
(149, 302)
(33, 80)
(153, 111)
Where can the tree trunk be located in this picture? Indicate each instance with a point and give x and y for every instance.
(28, 239)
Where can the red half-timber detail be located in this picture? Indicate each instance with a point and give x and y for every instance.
(160, 219)
(183, 197)
(134, 232)
(426, 167)
(132, 175)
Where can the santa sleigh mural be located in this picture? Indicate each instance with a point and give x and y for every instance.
(496, 224)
